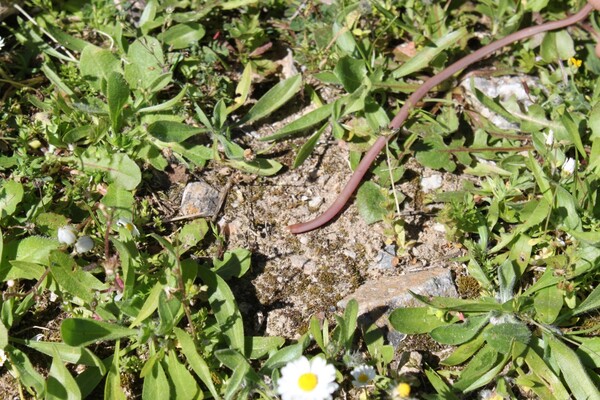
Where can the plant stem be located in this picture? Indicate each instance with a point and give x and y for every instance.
(429, 84)
(185, 302)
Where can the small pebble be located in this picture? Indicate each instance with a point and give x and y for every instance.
(431, 183)
(439, 227)
(385, 257)
(350, 254)
(314, 203)
(199, 197)
(298, 261)
(309, 268)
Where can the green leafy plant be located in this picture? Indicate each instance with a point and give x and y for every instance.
(100, 98)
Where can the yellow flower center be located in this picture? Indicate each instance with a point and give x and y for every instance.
(308, 382)
(363, 378)
(403, 390)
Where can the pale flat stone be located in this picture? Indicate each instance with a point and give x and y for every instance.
(385, 258)
(431, 183)
(388, 293)
(510, 91)
(200, 198)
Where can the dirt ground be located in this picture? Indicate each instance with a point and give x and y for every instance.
(296, 276)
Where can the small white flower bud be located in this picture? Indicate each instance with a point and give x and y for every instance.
(569, 166)
(549, 138)
(84, 244)
(67, 235)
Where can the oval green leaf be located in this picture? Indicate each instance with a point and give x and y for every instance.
(223, 304)
(282, 357)
(548, 302)
(501, 336)
(277, 96)
(258, 166)
(188, 348)
(96, 64)
(60, 383)
(184, 35)
(171, 131)
(259, 346)
(370, 201)
(302, 123)
(460, 332)
(414, 320)
(82, 332)
(121, 169)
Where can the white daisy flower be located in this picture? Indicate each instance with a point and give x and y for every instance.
(363, 375)
(3, 357)
(67, 235)
(127, 224)
(84, 244)
(307, 380)
(568, 166)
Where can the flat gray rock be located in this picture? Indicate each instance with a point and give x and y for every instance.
(511, 92)
(200, 199)
(383, 295)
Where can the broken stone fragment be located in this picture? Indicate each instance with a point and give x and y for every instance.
(392, 291)
(511, 91)
(378, 298)
(201, 199)
(431, 183)
(386, 258)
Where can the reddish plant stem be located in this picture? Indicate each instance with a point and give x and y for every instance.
(402, 115)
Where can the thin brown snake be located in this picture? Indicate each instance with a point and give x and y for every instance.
(430, 83)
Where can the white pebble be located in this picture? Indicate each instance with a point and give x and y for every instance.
(439, 227)
(315, 202)
(431, 183)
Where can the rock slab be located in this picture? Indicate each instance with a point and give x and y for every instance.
(381, 296)
(199, 198)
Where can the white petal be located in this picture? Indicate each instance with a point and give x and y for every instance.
(84, 244)
(67, 235)
(549, 138)
(288, 385)
(568, 166)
